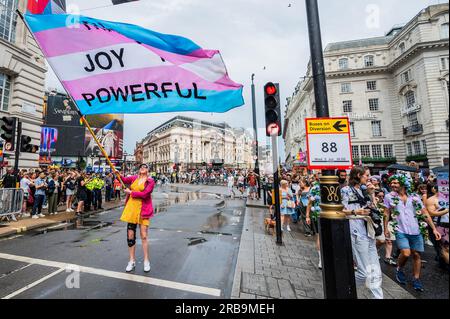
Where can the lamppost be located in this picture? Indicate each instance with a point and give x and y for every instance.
(335, 241)
(255, 130)
(125, 154)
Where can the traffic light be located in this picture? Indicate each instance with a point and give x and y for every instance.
(8, 127)
(25, 145)
(272, 108)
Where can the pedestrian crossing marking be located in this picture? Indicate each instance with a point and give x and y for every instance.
(117, 275)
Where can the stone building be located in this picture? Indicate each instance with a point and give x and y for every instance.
(22, 77)
(185, 143)
(393, 88)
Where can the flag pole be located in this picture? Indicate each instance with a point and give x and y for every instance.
(83, 118)
(86, 123)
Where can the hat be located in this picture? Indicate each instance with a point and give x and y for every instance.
(143, 165)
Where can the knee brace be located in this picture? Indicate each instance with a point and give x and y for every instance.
(131, 241)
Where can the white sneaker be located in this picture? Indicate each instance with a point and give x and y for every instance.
(147, 266)
(55, 213)
(68, 210)
(41, 215)
(130, 267)
(35, 217)
(288, 228)
(26, 215)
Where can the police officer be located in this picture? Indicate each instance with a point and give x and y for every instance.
(98, 185)
(89, 190)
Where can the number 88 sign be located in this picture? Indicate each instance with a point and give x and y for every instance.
(328, 143)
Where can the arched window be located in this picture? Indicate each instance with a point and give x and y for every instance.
(444, 31)
(369, 61)
(343, 64)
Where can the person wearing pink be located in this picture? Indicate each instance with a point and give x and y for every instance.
(138, 211)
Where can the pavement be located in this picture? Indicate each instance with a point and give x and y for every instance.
(194, 242)
(265, 270)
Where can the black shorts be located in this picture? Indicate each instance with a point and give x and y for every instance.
(82, 196)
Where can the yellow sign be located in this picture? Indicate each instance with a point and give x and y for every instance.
(327, 126)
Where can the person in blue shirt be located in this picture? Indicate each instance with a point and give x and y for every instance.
(39, 196)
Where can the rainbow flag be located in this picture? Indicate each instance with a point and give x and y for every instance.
(111, 67)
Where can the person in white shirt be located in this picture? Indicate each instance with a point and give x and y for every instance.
(230, 181)
(25, 186)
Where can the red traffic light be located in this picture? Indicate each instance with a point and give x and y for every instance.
(270, 89)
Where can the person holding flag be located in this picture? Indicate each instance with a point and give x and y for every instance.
(118, 68)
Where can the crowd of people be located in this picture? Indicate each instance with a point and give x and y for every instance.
(398, 211)
(75, 190)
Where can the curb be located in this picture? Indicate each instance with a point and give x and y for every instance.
(24, 229)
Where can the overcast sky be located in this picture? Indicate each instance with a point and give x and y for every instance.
(251, 35)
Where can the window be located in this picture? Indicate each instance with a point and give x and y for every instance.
(406, 77)
(388, 151)
(371, 85)
(424, 147)
(343, 64)
(355, 151)
(410, 97)
(369, 61)
(374, 105)
(444, 64)
(352, 129)
(376, 128)
(365, 151)
(416, 146)
(412, 119)
(5, 88)
(8, 19)
(402, 47)
(409, 149)
(346, 87)
(376, 151)
(347, 106)
(444, 31)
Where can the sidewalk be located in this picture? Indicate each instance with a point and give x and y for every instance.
(265, 270)
(25, 224)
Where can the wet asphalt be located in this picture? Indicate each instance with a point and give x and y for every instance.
(194, 239)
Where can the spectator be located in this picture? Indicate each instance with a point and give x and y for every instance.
(39, 196)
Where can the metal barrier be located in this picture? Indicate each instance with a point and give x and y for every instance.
(11, 201)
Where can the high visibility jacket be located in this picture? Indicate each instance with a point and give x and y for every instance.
(98, 183)
(90, 185)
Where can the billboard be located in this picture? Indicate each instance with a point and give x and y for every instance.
(108, 129)
(73, 139)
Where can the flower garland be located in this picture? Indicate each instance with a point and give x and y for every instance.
(418, 206)
(416, 201)
(314, 196)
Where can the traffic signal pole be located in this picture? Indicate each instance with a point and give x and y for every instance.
(335, 241)
(17, 150)
(276, 189)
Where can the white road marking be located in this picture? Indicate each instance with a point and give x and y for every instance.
(14, 271)
(118, 275)
(12, 237)
(37, 282)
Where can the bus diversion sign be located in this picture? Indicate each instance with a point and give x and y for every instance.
(328, 142)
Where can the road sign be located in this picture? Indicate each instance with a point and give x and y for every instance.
(8, 146)
(328, 142)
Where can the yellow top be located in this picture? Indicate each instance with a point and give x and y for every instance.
(132, 212)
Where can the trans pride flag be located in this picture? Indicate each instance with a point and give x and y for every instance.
(110, 67)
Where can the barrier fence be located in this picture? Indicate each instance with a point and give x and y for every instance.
(11, 201)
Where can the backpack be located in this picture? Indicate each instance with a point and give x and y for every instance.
(71, 185)
(51, 187)
(374, 213)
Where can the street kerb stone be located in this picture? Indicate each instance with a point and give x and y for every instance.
(254, 284)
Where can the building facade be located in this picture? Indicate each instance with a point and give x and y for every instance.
(394, 89)
(184, 143)
(22, 77)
